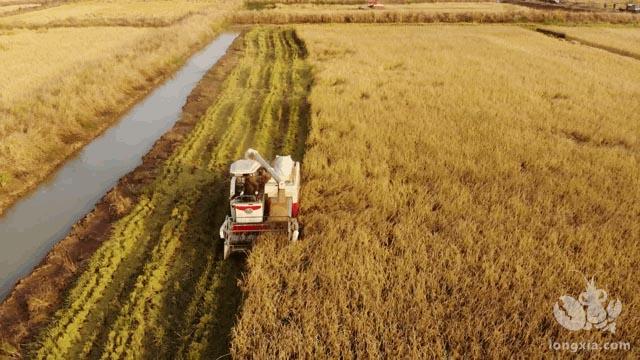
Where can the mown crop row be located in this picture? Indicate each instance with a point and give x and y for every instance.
(97, 282)
(163, 257)
(140, 312)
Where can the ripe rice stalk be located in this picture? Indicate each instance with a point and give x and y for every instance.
(451, 189)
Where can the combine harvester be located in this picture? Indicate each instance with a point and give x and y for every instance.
(372, 4)
(632, 8)
(263, 198)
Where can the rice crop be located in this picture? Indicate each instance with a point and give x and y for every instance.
(427, 13)
(100, 13)
(453, 190)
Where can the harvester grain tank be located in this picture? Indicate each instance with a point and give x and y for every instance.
(263, 197)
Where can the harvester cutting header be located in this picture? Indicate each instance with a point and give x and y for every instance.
(263, 198)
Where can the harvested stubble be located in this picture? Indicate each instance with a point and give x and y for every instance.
(160, 274)
(453, 190)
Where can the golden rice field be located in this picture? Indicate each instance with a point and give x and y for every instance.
(64, 86)
(342, 2)
(418, 12)
(441, 12)
(626, 39)
(31, 58)
(92, 12)
(282, 13)
(457, 179)
(601, 3)
(18, 2)
(427, 7)
(11, 8)
(21, 2)
(453, 191)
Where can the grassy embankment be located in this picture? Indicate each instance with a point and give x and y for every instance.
(158, 285)
(428, 6)
(62, 87)
(453, 190)
(475, 12)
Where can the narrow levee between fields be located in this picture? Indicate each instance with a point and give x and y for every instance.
(628, 49)
(159, 284)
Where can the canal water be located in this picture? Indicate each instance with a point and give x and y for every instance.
(30, 228)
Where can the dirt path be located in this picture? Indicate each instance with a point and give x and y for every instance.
(157, 287)
(37, 296)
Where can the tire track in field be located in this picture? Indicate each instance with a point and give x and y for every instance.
(170, 294)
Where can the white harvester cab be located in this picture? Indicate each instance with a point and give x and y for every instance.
(263, 197)
(246, 205)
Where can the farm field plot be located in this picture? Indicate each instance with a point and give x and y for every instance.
(158, 285)
(64, 86)
(434, 7)
(626, 39)
(472, 12)
(97, 12)
(417, 12)
(454, 190)
(600, 3)
(342, 2)
(32, 58)
(10, 8)
(4, 3)
(19, 2)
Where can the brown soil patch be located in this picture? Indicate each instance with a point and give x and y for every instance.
(36, 297)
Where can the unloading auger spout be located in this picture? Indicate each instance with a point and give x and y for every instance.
(252, 154)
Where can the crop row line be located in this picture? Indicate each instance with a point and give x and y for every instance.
(91, 285)
(140, 312)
